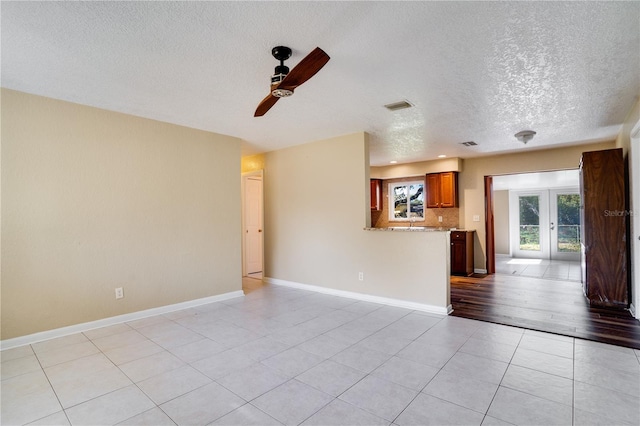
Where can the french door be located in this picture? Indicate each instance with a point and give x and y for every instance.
(529, 224)
(565, 224)
(545, 224)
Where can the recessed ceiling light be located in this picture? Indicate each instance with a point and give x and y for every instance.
(393, 162)
(442, 156)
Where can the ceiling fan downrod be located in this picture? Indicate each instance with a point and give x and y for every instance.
(281, 53)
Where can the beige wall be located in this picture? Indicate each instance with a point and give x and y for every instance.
(93, 200)
(316, 206)
(471, 181)
(624, 142)
(624, 139)
(252, 163)
(417, 169)
(501, 221)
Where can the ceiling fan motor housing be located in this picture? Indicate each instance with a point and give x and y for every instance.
(275, 91)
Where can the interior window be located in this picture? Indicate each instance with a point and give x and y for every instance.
(408, 200)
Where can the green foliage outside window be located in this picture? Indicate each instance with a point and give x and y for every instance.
(529, 222)
(568, 223)
(414, 194)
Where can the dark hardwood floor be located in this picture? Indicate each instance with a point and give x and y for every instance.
(540, 304)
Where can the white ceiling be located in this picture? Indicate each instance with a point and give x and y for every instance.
(478, 71)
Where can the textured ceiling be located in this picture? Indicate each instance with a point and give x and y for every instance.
(478, 71)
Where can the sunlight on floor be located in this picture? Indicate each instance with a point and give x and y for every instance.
(540, 268)
(524, 262)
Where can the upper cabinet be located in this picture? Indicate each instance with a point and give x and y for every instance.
(376, 194)
(442, 190)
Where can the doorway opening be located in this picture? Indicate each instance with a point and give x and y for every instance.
(533, 292)
(252, 224)
(537, 225)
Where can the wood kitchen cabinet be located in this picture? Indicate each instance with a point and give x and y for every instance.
(376, 194)
(462, 253)
(442, 190)
(604, 229)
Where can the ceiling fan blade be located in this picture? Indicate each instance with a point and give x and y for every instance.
(306, 68)
(265, 105)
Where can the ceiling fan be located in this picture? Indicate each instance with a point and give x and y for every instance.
(283, 82)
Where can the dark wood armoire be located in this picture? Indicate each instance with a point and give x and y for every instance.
(604, 229)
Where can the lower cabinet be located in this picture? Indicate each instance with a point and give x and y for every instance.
(462, 253)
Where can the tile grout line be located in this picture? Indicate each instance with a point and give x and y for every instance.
(351, 344)
(502, 379)
(434, 376)
(249, 402)
(573, 385)
(51, 386)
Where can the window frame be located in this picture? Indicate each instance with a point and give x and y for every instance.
(391, 197)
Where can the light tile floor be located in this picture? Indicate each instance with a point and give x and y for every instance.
(539, 268)
(286, 356)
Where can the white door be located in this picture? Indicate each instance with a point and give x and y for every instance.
(529, 223)
(564, 226)
(253, 224)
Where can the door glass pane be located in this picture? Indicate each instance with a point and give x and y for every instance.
(529, 211)
(568, 223)
(417, 200)
(400, 202)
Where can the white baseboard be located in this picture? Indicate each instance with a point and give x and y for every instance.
(432, 309)
(479, 271)
(79, 328)
(632, 310)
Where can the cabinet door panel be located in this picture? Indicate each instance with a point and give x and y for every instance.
(376, 194)
(448, 189)
(442, 190)
(458, 257)
(433, 190)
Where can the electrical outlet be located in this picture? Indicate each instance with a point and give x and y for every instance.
(476, 218)
(119, 293)
(360, 276)
(439, 218)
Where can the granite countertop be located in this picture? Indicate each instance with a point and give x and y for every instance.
(417, 229)
(409, 229)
